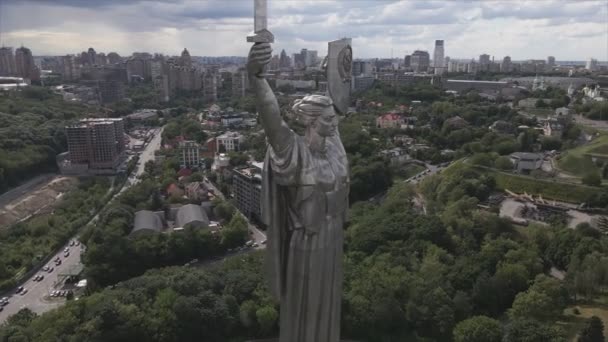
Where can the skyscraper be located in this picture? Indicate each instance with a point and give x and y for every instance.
(506, 65)
(24, 64)
(70, 69)
(484, 62)
(91, 56)
(210, 87)
(7, 62)
(420, 61)
(185, 59)
(407, 61)
(438, 62)
(239, 83)
(284, 61)
(551, 61)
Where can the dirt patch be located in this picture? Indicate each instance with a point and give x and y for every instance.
(36, 202)
(575, 323)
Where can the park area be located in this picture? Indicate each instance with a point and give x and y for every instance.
(579, 161)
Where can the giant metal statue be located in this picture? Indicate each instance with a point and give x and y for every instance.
(304, 194)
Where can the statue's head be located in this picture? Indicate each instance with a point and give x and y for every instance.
(317, 112)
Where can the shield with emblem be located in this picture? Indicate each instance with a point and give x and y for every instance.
(339, 73)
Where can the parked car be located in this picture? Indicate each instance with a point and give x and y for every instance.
(264, 242)
(66, 250)
(51, 269)
(57, 259)
(77, 243)
(72, 243)
(19, 289)
(255, 245)
(46, 268)
(57, 262)
(23, 292)
(66, 254)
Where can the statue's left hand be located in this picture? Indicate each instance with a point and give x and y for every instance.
(259, 55)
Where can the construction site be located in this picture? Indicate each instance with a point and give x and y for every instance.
(33, 198)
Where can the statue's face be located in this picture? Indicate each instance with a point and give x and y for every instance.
(326, 125)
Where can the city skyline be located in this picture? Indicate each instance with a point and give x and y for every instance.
(525, 30)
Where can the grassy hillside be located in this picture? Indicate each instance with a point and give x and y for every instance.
(32, 125)
(578, 162)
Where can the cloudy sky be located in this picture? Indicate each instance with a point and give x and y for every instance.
(568, 30)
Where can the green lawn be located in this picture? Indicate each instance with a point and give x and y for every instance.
(577, 161)
(552, 190)
(573, 323)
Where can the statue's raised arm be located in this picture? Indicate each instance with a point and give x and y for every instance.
(278, 133)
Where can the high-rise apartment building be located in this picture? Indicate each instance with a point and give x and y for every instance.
(24, 64)
(189, 154)
(247, 187)
(506, 65)
(239, 83)
(210, 87)
(91, 56)
(420, 61)
(407, 61)
(7, 62)
(70, 70)
(161, 86)
(97, 143)
(484, 62)
(551, 61)
(438, 61)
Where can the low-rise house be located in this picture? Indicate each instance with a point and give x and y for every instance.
(404, 139)
(552, 128)
(173, 190)
(390, 120)
(197, 191)
(229, 141)
(397, 155)
(526, 161)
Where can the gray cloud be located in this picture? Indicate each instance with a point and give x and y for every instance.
(532, 29)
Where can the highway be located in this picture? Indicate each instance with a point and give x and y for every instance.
(36, 298)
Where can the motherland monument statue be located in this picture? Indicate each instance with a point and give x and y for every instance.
(305, 186)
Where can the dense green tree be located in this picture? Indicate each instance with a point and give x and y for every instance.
(478, 329)
(525, 330)
(593, 331)
(592, 179)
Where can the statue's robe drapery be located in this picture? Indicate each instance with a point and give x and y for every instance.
(304, 203)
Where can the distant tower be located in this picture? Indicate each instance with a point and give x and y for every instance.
(185, 59)
(24, 63)
(7, 62)
(284, 60)
(506, 65)
(551, 61)
(92, 56)
(438, 63)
